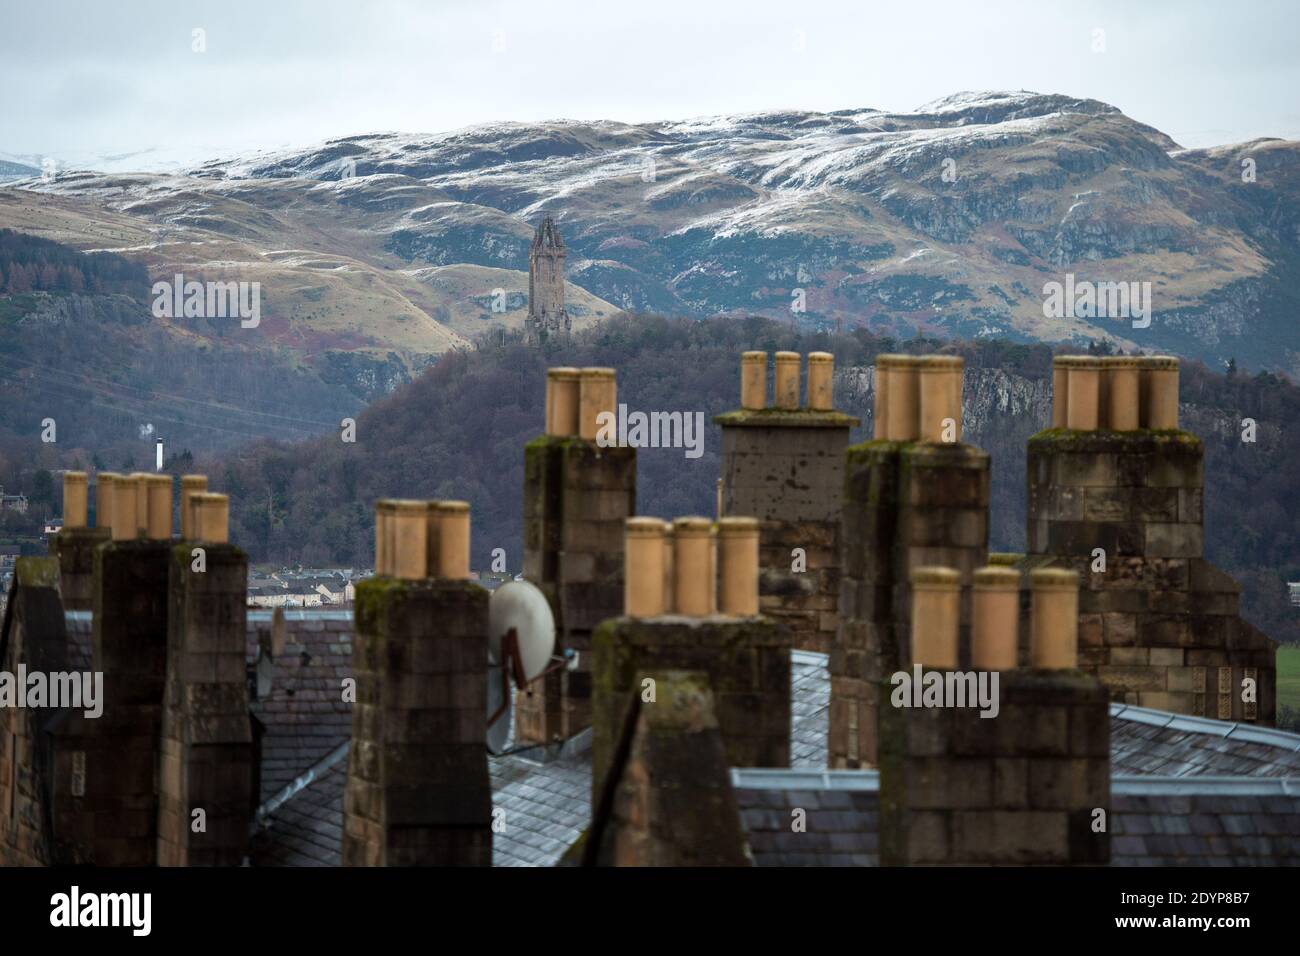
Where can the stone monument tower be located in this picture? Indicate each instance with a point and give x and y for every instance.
(546, 316)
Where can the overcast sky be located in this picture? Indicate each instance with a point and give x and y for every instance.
(120, 85)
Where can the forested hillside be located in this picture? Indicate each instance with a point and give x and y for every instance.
(458, 431)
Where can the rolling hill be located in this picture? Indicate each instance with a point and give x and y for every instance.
(945, 221)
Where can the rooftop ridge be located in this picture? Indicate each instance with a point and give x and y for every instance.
(785, 778)
(1268, 736)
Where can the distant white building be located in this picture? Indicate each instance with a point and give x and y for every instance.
(1293, 589)
(303, 588)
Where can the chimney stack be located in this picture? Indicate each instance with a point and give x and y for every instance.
(745, 656)
(1011, 766)
(910, 502)
(206, 771)
(75, 544)
(1123, 507)
(667, 799)
(131, 623)
(577, 494)
(418, 791)
(783, 465)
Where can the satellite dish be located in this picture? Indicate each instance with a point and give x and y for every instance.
(521, 638)
(520, 606)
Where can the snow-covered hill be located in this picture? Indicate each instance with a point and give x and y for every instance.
(948, 220)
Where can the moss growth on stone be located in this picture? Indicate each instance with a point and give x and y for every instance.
(374, 596)
(870, 452)
(1105, 440)
(37, 572)
(785, 418)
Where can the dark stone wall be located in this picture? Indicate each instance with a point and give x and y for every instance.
(130, 650)
(75, 549)
(1022, 788)
(786, 468)
(206, 751)
(418, 792)
(38, 640)
(577, 497)
(1160, 626)
(747, 661)
(668, 800)
(905, 505)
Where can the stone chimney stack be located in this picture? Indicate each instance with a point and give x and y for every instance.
(916, 496)
(34, 639)
(418, 792)
(206, 773)
(130, 645)
(1012, 773)
(667, 800)
(1116, 495)
(783, 464)
(75, 544)
(710, 624)
(577, 495)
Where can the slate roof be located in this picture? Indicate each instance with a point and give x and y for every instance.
(1185, 790)
(1156, 821)
(304, 716)
(1145, 741)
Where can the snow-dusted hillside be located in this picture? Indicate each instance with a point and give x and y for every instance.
(947, 220)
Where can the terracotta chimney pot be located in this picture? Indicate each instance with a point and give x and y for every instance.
(692, 584)
(753, 380)
(936, 611)
(995, 600)
(940, 388)
(562, 387)
(597, 392)
(738, 566)
(76, 499)
(787, 380)
(821, 375)
(643, 582)
(1054, 637)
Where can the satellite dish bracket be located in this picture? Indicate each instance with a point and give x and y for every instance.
(512, 667)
